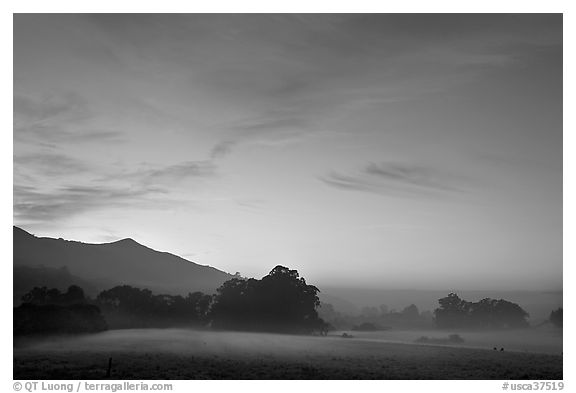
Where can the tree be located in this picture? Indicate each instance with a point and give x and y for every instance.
(453, 311)
(482, 313)
(287, 302)
(509, 315)
(37, 295)
(126, 306)
(487, 313)
(48, 311)
(281, 301)
(127, 299)
(43, 296)
(74, 295)
(31, 318)
(556, 317)
(200, 303)
(411, 312)
(234, 305)
(383, 310)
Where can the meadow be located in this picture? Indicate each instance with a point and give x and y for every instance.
(193, 354)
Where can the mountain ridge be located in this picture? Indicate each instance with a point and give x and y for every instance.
(124, 261)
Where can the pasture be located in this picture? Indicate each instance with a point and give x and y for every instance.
(192, 354)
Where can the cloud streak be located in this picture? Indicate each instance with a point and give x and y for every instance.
(50, 164)
(222, 149)
(167, 175)
(82, 188)
(57, 118)
(35, 205)
(180, 171)
(397, 179)
(411, 175)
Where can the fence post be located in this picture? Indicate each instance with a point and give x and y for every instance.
(109, 371)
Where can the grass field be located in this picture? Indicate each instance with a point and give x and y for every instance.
(188, 354)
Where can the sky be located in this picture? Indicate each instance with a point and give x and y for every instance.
(379, 151)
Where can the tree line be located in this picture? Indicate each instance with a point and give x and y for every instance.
(279, 302)
(377, 318)
(486, 313)
(49, 311)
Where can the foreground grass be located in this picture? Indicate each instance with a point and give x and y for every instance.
(177, 355)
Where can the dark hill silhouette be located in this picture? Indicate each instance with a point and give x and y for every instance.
(121, 262)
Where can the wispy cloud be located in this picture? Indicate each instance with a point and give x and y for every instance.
(32, 204)
(50, 164)
(347, 182)
(57, 118)
(167, 175)
(65, 107)
(412, 175)
(398, 179)
(180, 171)
(222, 149)
(51, 187)
(271, 123)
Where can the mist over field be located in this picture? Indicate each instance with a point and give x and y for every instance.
(201, 342)
(184, 353)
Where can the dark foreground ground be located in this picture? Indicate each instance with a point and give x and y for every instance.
(188, 355)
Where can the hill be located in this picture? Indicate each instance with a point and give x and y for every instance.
(121, 262)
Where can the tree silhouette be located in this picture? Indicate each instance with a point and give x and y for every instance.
(74, 295)
(42, 296)
(453, 311)
(282, 301)
(37, 295)
(487, 313)
(508, 314)
(411, 312)
(49, 311)
(125, 306)
(556, 317)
